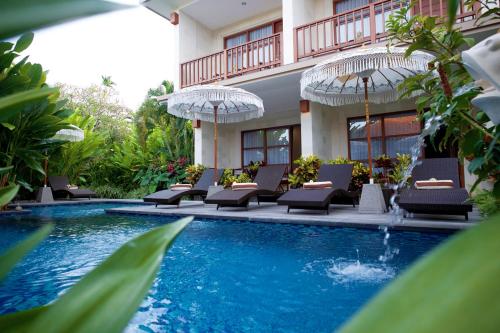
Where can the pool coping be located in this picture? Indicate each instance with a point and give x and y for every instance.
(351, 219)
(309, 220)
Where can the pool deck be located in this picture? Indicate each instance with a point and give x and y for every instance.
(340, 215)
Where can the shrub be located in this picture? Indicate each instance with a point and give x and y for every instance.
(137, 193)
(227, 178)
(253, 168)
(109, 192)
(194, 172)
(230, 178)
(307, 169)
(486, 202)
(360, 173)
(402, 164)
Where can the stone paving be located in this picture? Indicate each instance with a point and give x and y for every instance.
(340, 215)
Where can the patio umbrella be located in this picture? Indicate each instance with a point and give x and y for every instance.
(71, 134)
(217, 104)
(362, 75)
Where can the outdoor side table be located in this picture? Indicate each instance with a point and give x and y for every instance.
(44, 195)
(372, 199)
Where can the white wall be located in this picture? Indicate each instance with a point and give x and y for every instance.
(195, 40)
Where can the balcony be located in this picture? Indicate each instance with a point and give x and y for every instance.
(362, 25)
(252, 56)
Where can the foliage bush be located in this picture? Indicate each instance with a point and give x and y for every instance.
(253, 168)
(307, 169)
(397, 174)
(447, 88)
(137, 193)
(30, 115)
(109, 192)
(228, 178)
(360, 173)
(194, 172)
(486, 202)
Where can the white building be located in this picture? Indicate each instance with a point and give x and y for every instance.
(263, 46)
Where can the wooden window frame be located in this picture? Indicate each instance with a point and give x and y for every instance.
(248, 31)
(382, 137)
(266, 147)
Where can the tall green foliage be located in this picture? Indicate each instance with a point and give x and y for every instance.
(27, 123)
(447, 89)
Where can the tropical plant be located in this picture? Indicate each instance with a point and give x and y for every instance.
(227, 178)
(30, 115)
(73, 159)
(194, 172)
(241, 178)
(447, 89)
(360, 173)
(486, 202)
(397, 174)
(118, 285)
(253, 167)
(109, 191)
(447, 290)
(102, 103)
(306, 169)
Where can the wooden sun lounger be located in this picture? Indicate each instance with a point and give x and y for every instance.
(268, 179)
(438, 201)
(59, 185)
(319, 199)
(170, 197)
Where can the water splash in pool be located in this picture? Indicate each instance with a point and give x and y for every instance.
(344, 271)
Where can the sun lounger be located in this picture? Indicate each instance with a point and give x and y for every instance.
(319, 199)
(171, 197)
(268, 181)
(452, 201)
(61, 188)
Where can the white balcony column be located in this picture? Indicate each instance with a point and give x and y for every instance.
(318, 131)
(198, 146)
(295, 13)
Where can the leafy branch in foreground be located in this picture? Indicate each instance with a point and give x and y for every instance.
(447, 89)
(106, 298)
(454, 288)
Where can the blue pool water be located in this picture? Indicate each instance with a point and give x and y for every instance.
(220, 276)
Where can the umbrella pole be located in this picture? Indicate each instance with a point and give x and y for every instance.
(368, 130)
(215, 144)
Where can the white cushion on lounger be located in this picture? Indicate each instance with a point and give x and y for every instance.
(72, 187)
(317, 185)
(434, 184)
(244, 186)
(181, 187)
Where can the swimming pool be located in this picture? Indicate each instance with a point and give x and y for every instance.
(219, 276)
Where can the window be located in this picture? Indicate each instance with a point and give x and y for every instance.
(272, 145)
(253, 34)
(390, 134)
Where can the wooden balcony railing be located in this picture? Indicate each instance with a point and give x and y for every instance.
(363, 25)
(249, 57)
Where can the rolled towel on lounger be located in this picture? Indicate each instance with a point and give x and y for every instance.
(244, 186)
(317, 185)
(434, 184)
(181, 187)
(72, 187)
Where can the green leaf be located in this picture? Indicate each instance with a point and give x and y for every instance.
(17, 17)
(8, 193)
(8, 126)
(5, 169)
(452, 13)
(9, 105)
(9, 259)
(20, 321)
(452, 289)
(107, 297)
(24, 42)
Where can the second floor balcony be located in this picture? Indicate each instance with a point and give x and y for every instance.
(255, 55)
(362, 25)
